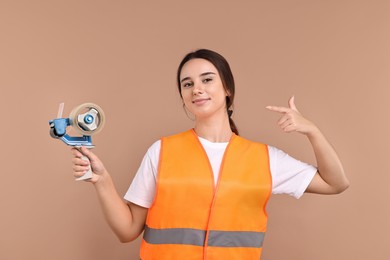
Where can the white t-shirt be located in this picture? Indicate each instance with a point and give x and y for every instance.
(289, 176)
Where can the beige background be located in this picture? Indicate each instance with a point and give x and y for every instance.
(332, 55)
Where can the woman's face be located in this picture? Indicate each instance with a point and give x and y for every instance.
(202, 89)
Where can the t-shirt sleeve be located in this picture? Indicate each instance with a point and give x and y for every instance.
(143, 187)
(289, 175)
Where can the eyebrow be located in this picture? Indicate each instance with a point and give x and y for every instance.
(203, 74)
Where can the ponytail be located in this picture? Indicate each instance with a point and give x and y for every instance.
(233, 126)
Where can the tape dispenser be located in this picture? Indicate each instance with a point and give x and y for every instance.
(86, 119)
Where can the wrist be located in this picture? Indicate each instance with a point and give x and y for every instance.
(102, 179)
(313, 132)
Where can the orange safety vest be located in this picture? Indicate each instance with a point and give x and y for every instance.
(191, 218)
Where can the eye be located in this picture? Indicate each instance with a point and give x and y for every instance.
(206, 80)
(187, 84)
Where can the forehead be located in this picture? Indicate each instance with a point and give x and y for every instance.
(196, 67)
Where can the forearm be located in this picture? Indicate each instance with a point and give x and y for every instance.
(329, 165)
(117, 213)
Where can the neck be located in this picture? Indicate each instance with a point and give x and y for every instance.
(215, 130)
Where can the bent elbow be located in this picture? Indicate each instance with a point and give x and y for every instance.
(125, 240)
(342, 188)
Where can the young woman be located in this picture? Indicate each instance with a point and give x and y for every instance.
(201, 194)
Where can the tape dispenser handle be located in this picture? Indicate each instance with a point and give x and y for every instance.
(88, 175)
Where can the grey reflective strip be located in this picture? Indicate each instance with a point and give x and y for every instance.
(186, 236)
(196, 237)
(236, 239)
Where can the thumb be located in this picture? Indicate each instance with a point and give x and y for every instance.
(291, 103)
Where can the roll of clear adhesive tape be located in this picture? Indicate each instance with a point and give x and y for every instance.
(87, 119)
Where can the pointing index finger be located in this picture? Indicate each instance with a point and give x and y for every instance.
(278, 109)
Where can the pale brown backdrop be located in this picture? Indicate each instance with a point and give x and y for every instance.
(332, 55)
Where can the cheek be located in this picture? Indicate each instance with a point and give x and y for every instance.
(186, 97)
(219, 93)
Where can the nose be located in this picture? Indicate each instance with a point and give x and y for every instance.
(197, 89)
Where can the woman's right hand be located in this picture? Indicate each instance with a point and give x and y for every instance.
(81, 166)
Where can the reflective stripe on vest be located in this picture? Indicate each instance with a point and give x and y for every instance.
(195, 237)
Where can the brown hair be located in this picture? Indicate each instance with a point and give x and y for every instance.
(224, 71)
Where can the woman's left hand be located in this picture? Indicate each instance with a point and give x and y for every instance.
(292, 120)
(330, 177)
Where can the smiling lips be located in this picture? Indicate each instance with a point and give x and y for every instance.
(200, 101)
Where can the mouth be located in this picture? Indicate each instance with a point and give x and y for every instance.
(200, 100)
